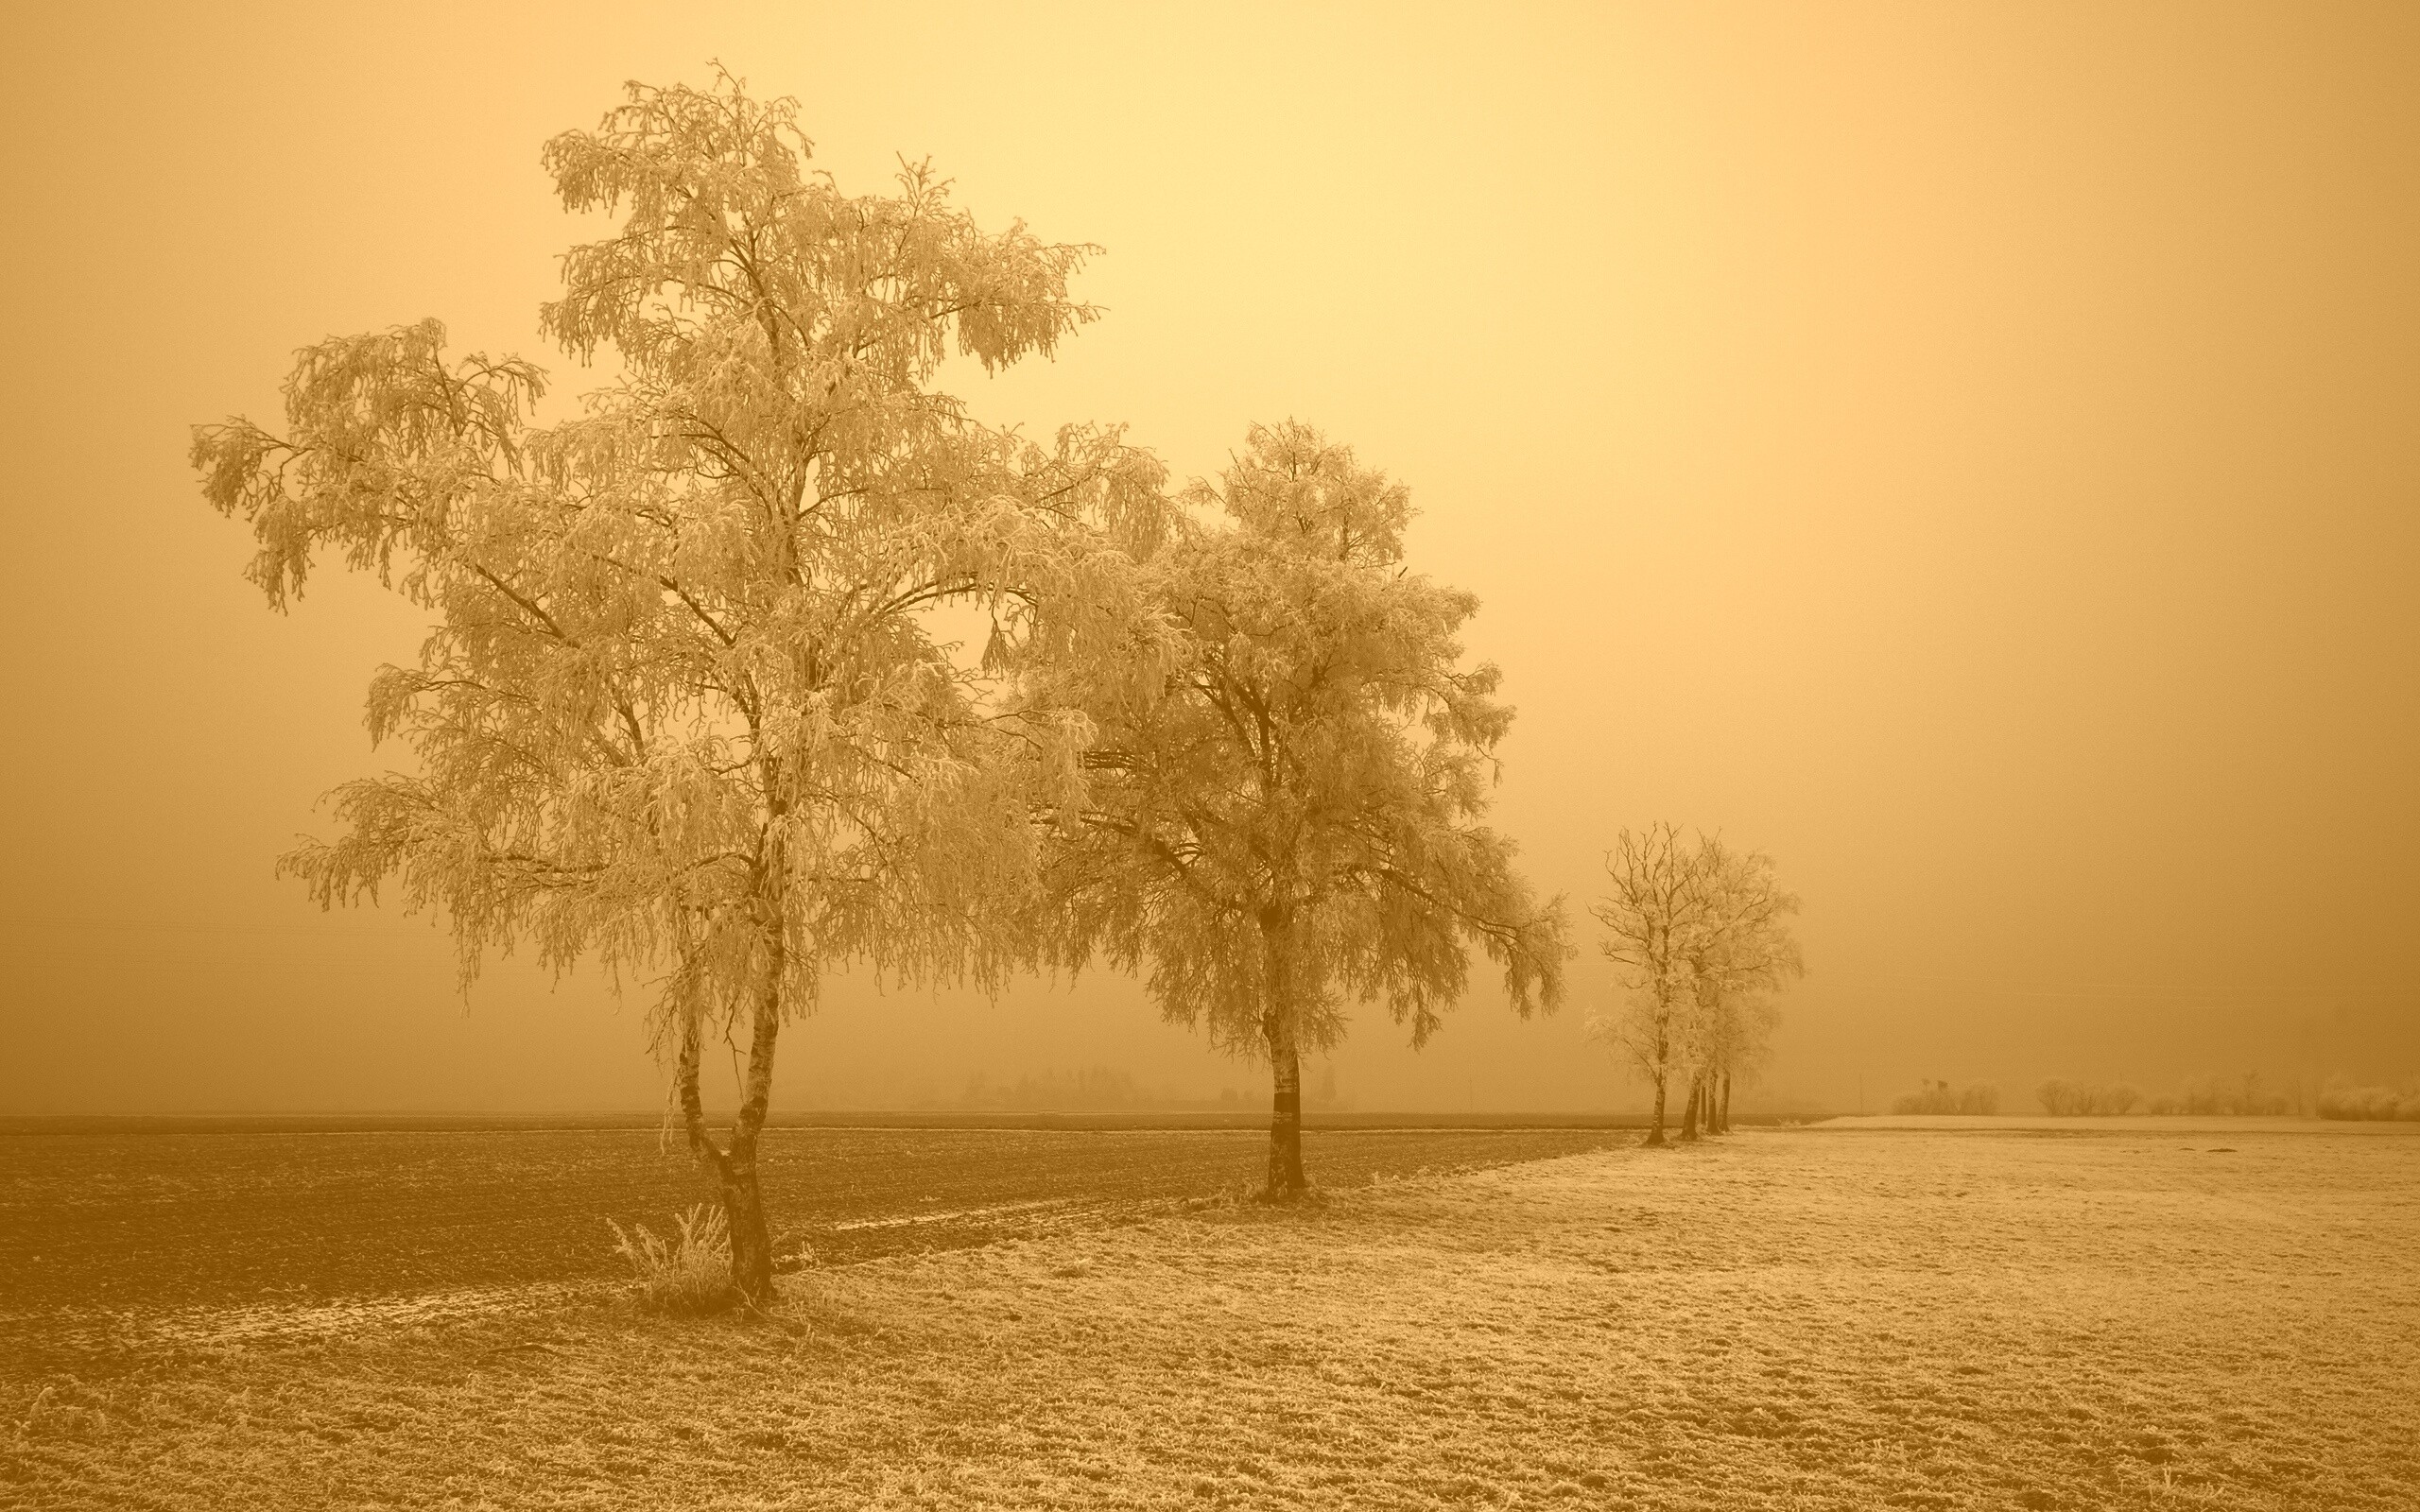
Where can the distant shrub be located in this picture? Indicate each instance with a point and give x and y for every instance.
(1940, 1097)
(686, 1272)
(2343, 1100)
(2068, 1099)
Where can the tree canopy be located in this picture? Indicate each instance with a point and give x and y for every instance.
(683, 706)
(1287, 820)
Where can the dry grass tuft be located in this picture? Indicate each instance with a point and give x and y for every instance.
(687, 1273)
(1311, 1197)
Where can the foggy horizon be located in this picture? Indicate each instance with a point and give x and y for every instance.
(1253, 757)
(1968, 456)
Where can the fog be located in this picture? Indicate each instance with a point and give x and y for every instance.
(1968, 456)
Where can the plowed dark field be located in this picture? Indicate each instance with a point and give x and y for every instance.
(100, 1233)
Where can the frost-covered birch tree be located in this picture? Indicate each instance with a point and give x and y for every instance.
(1741, 951)
(683, 709)
(1651, 912)
(1698, 931)
(1287, 820)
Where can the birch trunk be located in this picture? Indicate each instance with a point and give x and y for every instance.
(743, 1204)
(733, 1167)
(751, 1247)
(1286, 1179)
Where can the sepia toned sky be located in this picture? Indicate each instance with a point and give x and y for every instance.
(1971, 453)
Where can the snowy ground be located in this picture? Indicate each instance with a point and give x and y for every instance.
(1812, 1318)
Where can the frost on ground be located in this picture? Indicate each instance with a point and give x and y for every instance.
(1801, 1319)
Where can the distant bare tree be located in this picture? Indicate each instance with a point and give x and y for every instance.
(1699, 932)
(1738, 1042)
(1652, 913)
(682, 708)
(1289, 818)
(1740, 949)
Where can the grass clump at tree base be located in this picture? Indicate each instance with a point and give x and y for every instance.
(685, 1273)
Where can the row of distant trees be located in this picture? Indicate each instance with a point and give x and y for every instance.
(1940, 1097)
(2068, 1099)
(1103, 1088)
(691, 705)
(2346, 1100)
(2226, 1096)
(1699, 933)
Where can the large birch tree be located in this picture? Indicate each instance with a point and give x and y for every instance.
(1287, 820)
(683, 709)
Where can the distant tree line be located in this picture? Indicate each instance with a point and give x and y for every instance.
(2344, 1100)
(1940, 1097)
(2217, 1096)
(2242, 1096)
(2066, 1099)
(1102, 1089)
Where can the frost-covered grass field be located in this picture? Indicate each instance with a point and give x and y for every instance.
(1816, 1318)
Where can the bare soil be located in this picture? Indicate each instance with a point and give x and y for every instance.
(109, 1240)
(1779, 1319)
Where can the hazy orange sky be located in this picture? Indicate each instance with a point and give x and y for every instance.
(1972, 453)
